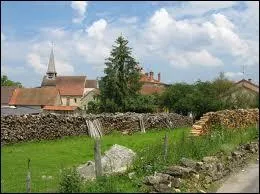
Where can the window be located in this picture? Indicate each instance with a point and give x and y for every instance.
(75, 100)
(68, 102)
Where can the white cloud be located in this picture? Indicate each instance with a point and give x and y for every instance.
(34, 61)
(80, 7)
(198, 8)
(215, 42)
(233, 75)
(40, 65)
(97, 29)
(129, 20)
(191, 59)
(3, 36)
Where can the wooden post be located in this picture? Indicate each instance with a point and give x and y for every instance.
(28, 179)
(97, 154)
(165, 146)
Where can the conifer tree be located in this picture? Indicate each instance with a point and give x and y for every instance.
(121, 80)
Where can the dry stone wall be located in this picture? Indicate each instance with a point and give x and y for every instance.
(196, 175)
(52, 126)
(238, 118)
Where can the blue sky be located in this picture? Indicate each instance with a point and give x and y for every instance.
(185, 41)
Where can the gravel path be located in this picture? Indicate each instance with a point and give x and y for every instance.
(246, 181)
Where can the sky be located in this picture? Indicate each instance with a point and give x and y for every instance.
(184, 40)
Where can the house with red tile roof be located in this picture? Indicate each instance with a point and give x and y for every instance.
(73, 89)
(151, 85)
(35, 97)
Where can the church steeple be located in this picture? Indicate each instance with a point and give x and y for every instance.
(51, 72)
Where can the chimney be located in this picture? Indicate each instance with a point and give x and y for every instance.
(159, 77)
(249, 80)
(151, 75)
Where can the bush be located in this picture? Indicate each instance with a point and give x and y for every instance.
(71, 181)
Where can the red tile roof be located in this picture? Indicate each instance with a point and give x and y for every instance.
(6, 94)
(71, 85)
(148, 89)
(35, 96)
(60, 108)
(91, 83)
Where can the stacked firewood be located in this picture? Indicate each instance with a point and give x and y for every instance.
(51, 126)
(238, 118)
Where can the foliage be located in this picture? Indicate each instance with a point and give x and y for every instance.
(121, 78)
(70, 182)
(202, 97)
(178, 98)
(142, 103)
(6, 82)
(93, 107)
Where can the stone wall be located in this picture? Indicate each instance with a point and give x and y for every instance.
(238, 118)
(51, 126)
(197, 176)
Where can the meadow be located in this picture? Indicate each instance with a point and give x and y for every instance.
(49, 157)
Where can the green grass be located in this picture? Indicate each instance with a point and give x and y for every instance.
(219, 140)
(48, 157)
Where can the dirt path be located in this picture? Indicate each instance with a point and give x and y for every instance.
(246, 181)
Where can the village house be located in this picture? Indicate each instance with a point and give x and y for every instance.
(151, 85)
(245, 89)
(75, 91)
(35, 98)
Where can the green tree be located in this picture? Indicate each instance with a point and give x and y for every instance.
(6, 82)
(121, 79)
(177, 98)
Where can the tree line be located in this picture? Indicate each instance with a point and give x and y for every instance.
(119, 90)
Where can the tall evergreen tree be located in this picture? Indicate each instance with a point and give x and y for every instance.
(121, 79)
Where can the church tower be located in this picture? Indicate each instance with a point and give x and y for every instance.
(51, 72)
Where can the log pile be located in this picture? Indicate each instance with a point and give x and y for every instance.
(239, 118)
(17, 128)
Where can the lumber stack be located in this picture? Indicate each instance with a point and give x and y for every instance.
(239, 118)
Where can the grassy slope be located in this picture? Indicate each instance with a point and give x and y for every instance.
(48, 157)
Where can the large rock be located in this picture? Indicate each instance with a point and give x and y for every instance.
(117, 159)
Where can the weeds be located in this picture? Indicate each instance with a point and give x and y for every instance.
(70, 182)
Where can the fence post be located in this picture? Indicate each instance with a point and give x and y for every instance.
(165, 146)
(97, 155)
(28, 179)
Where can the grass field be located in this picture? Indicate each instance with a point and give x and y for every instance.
(48, 157)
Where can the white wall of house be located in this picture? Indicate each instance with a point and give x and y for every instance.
(86, 99)
(72, 100)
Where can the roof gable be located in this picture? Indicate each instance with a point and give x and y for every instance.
(71, 85)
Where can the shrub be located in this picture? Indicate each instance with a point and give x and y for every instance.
(70, 182)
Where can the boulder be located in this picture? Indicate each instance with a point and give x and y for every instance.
(117, 159)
